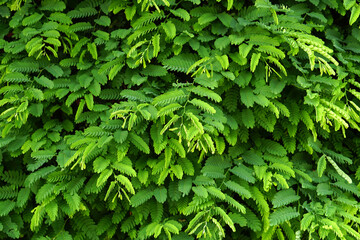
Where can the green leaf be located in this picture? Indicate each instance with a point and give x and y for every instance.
(223, 60)
(339, 170)
(44, 81)
(248, 118)
(120, 136)
(55, 70)
(52, 210)
(228, 75)
(187, 166)
(77, 48)
(103, 21)
(177, 170)
(80, 109)
(169, 109)
(124, 168)
(52, 5)
(253, 158)
(156, 44)
(73, 201)
(169, 123)
(306, 221)
(141, 197)
(206, 18)
(333, 226)
(101, 34)
(143, 176)
(230, 4)
(114, 71)
(247, 96)
(126, 182)
(274, 148)
(138, 80)
(355, 13)
(65, 235)
(200, 191)
(177, 147)
(139, 143)
(130, 12)
(92, 50)
(255, 57)
(185, 185)
(321, 166)
(22, 107)
(350, 230)
(80, 26)
(36, 109)
(169, 29)
(203, 105)
(281, 215)
(89, 100)
(37, 217)
(197, 66)
(284, 197)
(6, 207)
(216, 192)
(16, 77)
(60, 17)
(169, 97)
(104, 176)
(53, 41)
(34, 18)
(182, 13)
(272, 51)
(349, 4)
(244, 172)
(23, 197)
(51, 34)
(241, 208)
(222, 43)
(244, 49)
(196, 122)
(100, 164)
(44, 192)
(220, 144)
(33, 177)
(160, 194)
(233, 186)
(205, 92)
(225, 218)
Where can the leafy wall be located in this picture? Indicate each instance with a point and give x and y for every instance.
(179, 119)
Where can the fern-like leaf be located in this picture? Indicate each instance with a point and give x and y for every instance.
(205, 92)
(141, 197)
(139, 143)
(284, 197)
(242, 191)
(281, 215)
(180, 63)
(169, 97)
(203, 105)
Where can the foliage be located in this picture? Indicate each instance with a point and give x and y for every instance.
(179, 119)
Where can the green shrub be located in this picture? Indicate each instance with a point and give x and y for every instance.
(179, 119)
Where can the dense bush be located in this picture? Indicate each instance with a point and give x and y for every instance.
(179, 119)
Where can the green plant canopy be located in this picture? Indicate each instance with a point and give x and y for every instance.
(179, 119)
